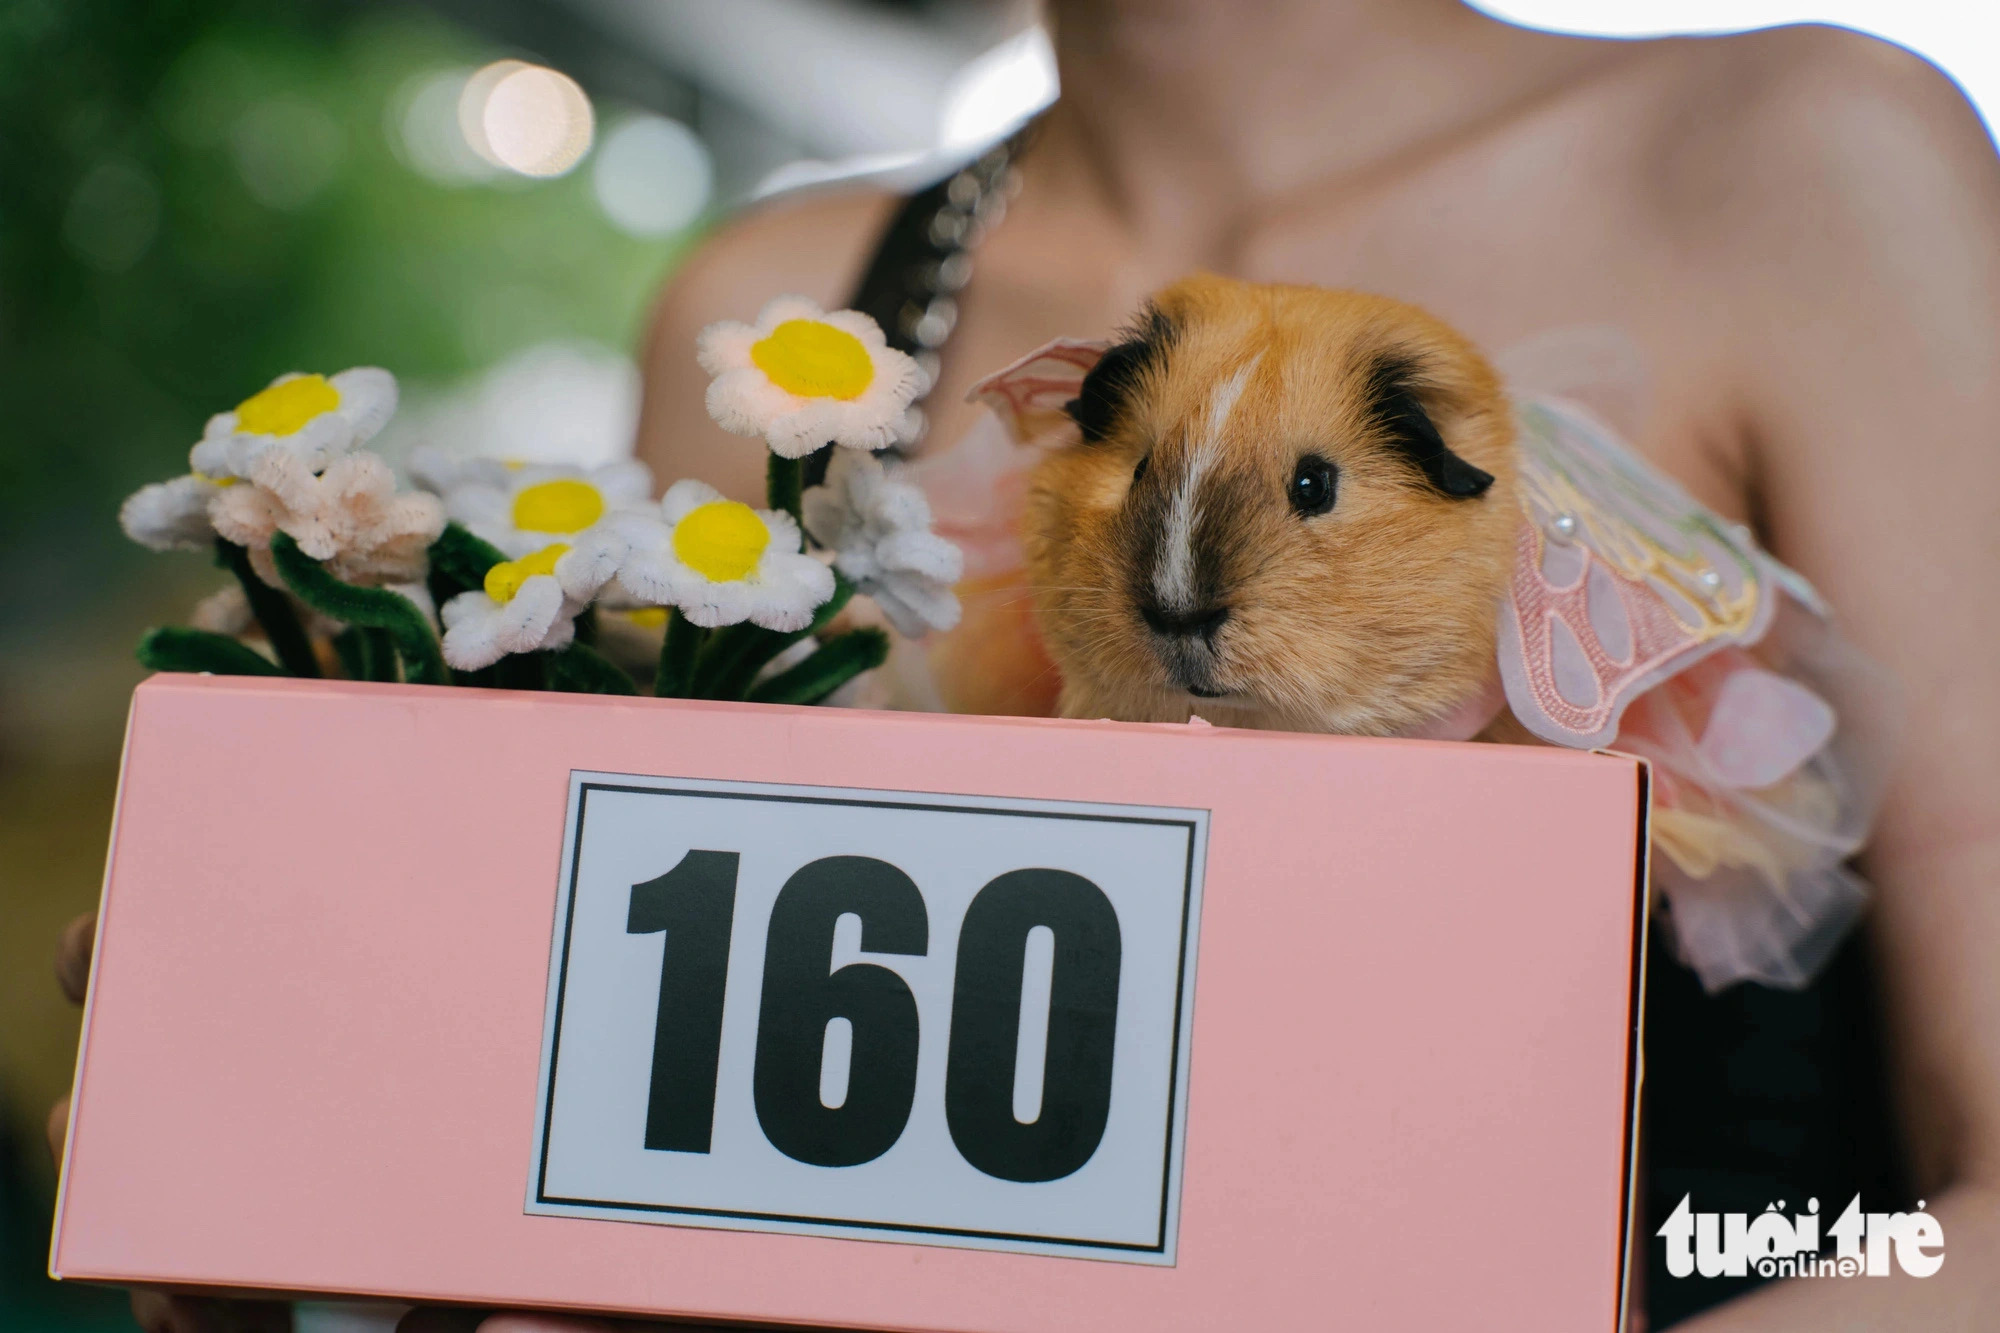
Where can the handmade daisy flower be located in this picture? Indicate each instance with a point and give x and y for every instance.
(521, 609)
(722, 562)
(350, 517)
(879, 530)
(803, 378)
(171, 515)
(315, 418)
(523, 508)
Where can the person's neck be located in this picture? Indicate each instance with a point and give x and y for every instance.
(1188, 113)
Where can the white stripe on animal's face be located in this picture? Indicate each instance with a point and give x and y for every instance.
(1173, 572)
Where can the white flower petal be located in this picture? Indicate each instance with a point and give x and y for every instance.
(921, 553)
(592, 562)
(724, 344)
(220, 426)
(861, 326)
(625, 482)
(367, 400)
(915, 604)
(781, 308)
(684, 497)
(170, 515)
(787, 589)
(471, 633)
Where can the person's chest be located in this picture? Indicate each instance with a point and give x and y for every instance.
(1534, 244)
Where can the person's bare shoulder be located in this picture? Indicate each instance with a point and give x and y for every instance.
(812, 245)
(1799, 142)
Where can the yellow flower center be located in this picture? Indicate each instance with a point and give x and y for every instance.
(285, 408)
(647, 617)
(564, 505)
(224, 480)
(721, 541)
(505, 579)
(814, 360)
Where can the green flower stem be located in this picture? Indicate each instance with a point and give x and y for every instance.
(177, 649)
(273, 611)
(784, 488)
(366, 654)
(368, 608)
(461, 560)
(581, 669)
(735, 656)
(838, 661)
(678, 651)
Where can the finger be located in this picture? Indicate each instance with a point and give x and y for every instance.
(58, 1128)
(73, 956)
(154, 1312)
(161, 1312)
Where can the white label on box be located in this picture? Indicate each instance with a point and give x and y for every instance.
(951, 1020)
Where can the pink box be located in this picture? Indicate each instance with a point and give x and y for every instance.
(557, 1001)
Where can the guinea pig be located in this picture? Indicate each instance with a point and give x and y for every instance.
(1288, 507)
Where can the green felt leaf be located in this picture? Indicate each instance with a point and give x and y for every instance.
(368, 608)
(581, 669)
(838, 661)
(177, 649)
(273, 611)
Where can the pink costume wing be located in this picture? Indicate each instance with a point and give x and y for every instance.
(1639, 620)
(1621, 580)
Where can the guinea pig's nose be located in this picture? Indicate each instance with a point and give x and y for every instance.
(1203, 621)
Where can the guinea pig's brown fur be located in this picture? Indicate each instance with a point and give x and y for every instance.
(1184, 555)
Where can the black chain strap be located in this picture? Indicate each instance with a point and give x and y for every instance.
(924, 259)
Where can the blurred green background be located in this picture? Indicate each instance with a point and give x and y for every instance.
(197, 195)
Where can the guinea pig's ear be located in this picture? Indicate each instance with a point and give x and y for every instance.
(1111, 381)
(1396, 410)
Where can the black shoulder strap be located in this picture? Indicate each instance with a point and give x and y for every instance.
(906, 255)
(924, 256)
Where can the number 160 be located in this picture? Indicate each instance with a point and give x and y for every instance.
(695, 904)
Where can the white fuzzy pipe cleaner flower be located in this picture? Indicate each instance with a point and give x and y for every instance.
(879, 530)
(315, 418)
(803, 378)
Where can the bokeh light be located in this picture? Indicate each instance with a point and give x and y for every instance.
(113, 216)
(424, 131)
(652, 176)
(526, 118)
(287, 150)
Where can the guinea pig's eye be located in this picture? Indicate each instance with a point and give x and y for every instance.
(1313, 484)
(1139, 469)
